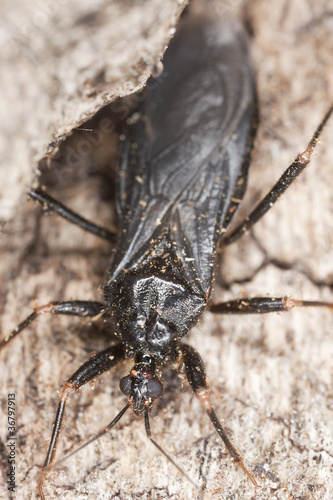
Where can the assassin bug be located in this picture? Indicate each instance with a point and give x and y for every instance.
(180, 181)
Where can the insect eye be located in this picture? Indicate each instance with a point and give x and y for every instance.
(155, 388)
(125, 385)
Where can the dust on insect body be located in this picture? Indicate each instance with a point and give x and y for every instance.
(181, 177)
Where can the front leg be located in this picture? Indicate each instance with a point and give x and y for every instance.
(196, 376)
(94, 367)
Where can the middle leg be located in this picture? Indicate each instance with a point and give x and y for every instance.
(71, 308)
(262, 305)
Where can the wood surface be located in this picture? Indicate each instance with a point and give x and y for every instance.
(271, 375)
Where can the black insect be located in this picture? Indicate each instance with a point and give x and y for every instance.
(182, 175)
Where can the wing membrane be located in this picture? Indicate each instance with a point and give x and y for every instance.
(188, 148)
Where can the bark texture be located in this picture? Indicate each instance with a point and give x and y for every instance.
(271, 376)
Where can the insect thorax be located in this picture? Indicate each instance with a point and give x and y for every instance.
(152, 306)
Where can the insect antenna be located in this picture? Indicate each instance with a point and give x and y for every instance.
(91, 440)
(147, 425)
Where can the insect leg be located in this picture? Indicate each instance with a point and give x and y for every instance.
(261, 305)
(196, 375)
(68, 214)
(94, 367)
(71, 308)
(293, 171)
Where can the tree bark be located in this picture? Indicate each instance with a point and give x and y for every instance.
(271, 375)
